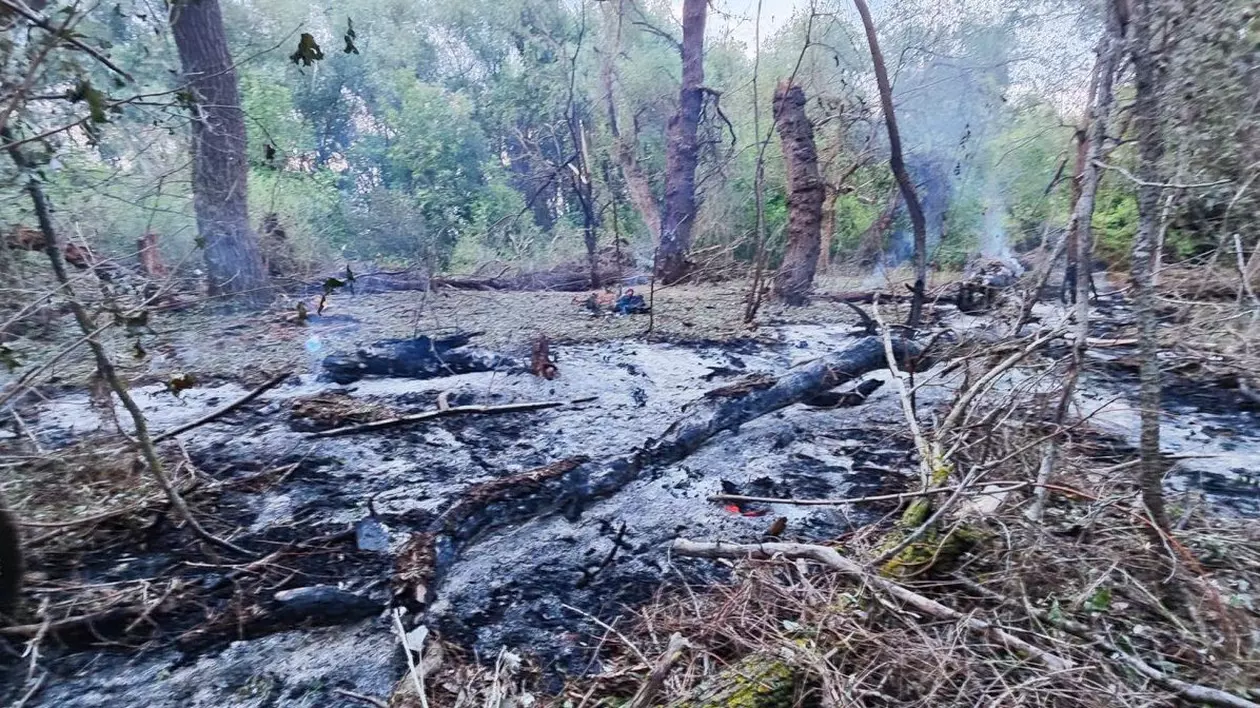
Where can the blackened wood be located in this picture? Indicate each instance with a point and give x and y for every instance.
(418, 358)
(568, 485)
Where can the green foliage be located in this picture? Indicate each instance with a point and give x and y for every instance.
(446, 131)
(500, 226)
(388, 222)
(434, 155)
(1115, 225)
(271, 121)
(853, 217)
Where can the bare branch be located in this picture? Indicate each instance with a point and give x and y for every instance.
(1165, 185)
(43, 23)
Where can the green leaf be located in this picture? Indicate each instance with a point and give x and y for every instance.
(95, 98)
(308, 51)
(1100, 601)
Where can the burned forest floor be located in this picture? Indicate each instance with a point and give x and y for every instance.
(587, 602)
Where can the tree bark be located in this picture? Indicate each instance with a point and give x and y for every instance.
(830, 195)
(1149, 85)
(150, 258)
(233, 259)
(11, 562)
(684, 151)
(805, 196)
(1068, 291)
(898, 165)
(1083, 213)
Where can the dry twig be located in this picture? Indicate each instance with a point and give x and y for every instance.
(830, 558)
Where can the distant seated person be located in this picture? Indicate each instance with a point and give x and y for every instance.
(630, 304)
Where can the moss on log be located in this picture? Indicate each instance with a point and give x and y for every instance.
(931, 549)
(756, 681)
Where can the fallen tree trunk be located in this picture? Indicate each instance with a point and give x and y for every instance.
(418, 358)
(613, 267)
(569, 485)
(439, 413)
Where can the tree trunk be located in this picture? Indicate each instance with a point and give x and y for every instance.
(234, 262)
(830, 196)
(684, 151)
(150, 258)
(805, 196)
(584, 190)
(638, 188)
(1068, 291)
(1148, 80)
(898, 165)
(1082, 215)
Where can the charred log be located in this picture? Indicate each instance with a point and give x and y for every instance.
(418, 358)
(845, 399)
(569, 485)
(864, 297)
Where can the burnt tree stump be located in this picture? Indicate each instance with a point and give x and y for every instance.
(805, 196)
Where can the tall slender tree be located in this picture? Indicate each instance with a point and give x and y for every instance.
(683, 152)
(1081, 139)
(234, 263)
(1148, 80)
(897, 163)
